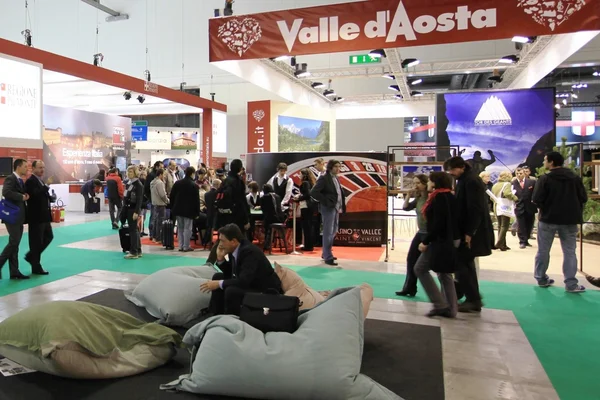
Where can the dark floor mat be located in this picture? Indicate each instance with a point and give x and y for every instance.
(405, 358)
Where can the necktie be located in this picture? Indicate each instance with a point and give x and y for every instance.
(522, 184)
(233, 266)
(21, 182)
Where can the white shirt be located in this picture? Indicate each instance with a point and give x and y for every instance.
(288, 189)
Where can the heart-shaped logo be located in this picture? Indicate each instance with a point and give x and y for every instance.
(551, 13)
(258, 115)
(238, 35)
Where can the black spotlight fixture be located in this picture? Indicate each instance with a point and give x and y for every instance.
(410, 62)
(301, 71)
(495, 78)
(228, 9)
(399, 97)
(388, 76)
(416, 93)
(328, 93)
(338, 99)
(98, 58)
(148, 76)
(377, 53)
(395, 88)
(182, 86)
(27, 35)
(317, 85)
(127, 95)
(510, 59)
(293, 61)
(524, 39)
(212, 96)
(141, 98)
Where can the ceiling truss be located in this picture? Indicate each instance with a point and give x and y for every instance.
(288, 71)
(527, 54)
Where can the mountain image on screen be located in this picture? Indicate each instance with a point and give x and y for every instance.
(301, 134)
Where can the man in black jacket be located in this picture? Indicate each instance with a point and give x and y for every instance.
(475, 227)
(211, 212)
(234, 190)
(13, 190)
(247, 270)
(560, 196)
(525, 210)
(148, 195)
(185, 206)
(332, 202)
(39, 217)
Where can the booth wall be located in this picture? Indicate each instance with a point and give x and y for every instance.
(369, 134)
(294, 110)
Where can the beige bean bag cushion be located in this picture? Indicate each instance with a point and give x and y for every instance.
(75, 339)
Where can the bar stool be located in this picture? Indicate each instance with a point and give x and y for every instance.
(278, 233)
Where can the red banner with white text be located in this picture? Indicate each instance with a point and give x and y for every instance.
(367, 25)
(259, 126)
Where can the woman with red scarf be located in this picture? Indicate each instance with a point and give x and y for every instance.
(438, 247)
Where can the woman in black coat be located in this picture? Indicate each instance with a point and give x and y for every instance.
(438, 247)
(132, 211)
(307, 208)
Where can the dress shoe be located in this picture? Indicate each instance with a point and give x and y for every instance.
(440, 312)
(406, 293)
(331, 262)
(522, 246)
(40, 271)
(334, 258)
(467, 306)
(19, 276)
(528, 244)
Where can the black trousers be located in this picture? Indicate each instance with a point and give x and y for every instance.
(40, 236)
(11, 250)
(410, 283)
(308, 228)
(317, 238)
(114, 209)
(525, 223)
(467, 275)
(228, 301)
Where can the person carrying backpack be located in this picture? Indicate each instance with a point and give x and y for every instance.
(231, 203)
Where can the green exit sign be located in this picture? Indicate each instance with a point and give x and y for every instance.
(364, 59)
(139, 123)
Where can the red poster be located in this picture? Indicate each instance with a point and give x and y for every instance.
(259, 126)
(367, 25)
(30, 155)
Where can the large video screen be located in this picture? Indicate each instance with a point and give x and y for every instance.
(499, 130)
(20, 99)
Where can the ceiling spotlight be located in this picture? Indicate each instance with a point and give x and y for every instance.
(394, 88)
(148, 76)
(495, 78)
(27, 35)
(280, 58)
(182, 86)
(329, 92)
(127, 95)
(511, 59)
(301, 71)
(573, 95)
(524, 39)
(415, 93)
(388, 76)
(557, 106)
(562, 95)
(98, 58)
(596, 73)
(317, 85)
(564, 101)
(416, 81)
(141, 98)
(293, 61)
(399, 96)
(338, 99)
(410, 62)
(579, 85)
(377, 53)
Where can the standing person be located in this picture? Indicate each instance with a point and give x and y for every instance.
(438, 246)
(143, 176)
(132, 211)
(419, 197)
(148, 194)
(332, 202)
(160, 201)
(13, 190)
(39, 217)
(560, 196)
(475, 227)
(233, 208)
(525, 210)
(270, 204)
(115, 191)
(211, 212)
(211, 176)
(171, 176)
(307, 208)
(253, 199)
(185, 206)
(503, 190)
(201, 177)
(282, 185)
(101, 175)
(319, 165)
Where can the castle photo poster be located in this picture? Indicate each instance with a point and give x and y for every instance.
(302, 134)
(498, 131)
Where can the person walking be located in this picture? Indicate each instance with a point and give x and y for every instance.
(332, 202)
(560, 196)
(115, 191)
(415, 201)
(13, 190)
(132, 211)
(438, 247)
(185, 206)
(504, 209)
(39, 217)
(307, 208)
(160, 201)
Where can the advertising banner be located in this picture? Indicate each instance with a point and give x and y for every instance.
(259, 126)
(363, 177)
(378, 24)
(582, 128)
(219, 132)
(184, 140)
(77, 144)
(498, 131)
(156, 140)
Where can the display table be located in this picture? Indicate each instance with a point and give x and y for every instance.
(70, 194)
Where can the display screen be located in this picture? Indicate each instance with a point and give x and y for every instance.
(219, 143)
(20, 99)
(498, 131)
(6, 166)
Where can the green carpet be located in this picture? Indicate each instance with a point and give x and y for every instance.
(562, 328)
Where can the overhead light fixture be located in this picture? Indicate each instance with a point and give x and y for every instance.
(523, 39)
(495, 78)
(141, 98)
(388, 76)
(301, 71)
(280, 58)
(127, 95)
(27, 35)
(596, 73)
(564, 101)
(293, 61)
(573, 95)
(329, 92)
(399, 96)
(511, 59)
(338, 99)
(410, 62)
(416, 81)
(147, 76)
(557, 106)
(579, 85)
(377, 53)
(98, 58)
(562, 95)
(467, 72)
(416, 93)
(395, 88)
(317, 85)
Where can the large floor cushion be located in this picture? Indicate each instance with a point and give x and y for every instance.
(76, 339)
(173, 294)
(321, 360)
(293, 285)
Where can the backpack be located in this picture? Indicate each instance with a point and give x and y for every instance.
(224, 201)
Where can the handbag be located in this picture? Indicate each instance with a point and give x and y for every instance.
(270, 312)
(9, 213)
(504, 206)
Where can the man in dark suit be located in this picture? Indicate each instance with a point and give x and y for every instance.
(248, 270)
(39, 217)
(13, 190)
(211, 212)
(475, 226)
(525, 210)
(332, 202)
(185, 206)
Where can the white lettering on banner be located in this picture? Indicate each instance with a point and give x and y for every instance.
(260, 142)
(82, 153)
(329, 29)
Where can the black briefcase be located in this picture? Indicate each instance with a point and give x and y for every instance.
(270, 312)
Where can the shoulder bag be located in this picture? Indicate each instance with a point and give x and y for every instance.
(270, 312)
(505, 207)
(9, 213)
